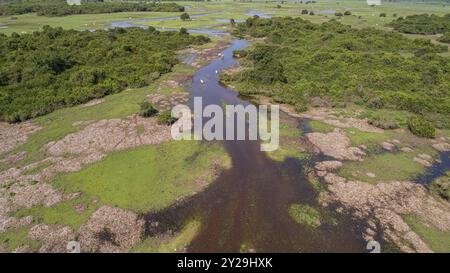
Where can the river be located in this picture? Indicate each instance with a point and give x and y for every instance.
(248, 204)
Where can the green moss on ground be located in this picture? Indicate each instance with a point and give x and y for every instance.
(15, 238)
(436, 239)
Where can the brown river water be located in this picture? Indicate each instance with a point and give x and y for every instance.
(248, 204)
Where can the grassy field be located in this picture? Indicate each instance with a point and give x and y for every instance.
(362, 15)
(148, 178)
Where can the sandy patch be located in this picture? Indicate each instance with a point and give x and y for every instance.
(335, 144)
(54, 238)
(93, 102)
(165, 102)
(14, 135)
(111, 230)
(325, 115)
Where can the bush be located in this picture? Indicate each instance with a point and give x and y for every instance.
(147, 109)
(383, 121)
(338, 14)
(305, 11)
(347, 13)
(311, 13)
(184, 16)
(382, 14)
(445, 38)
(421, 127)
(165, 118)
(442, 187)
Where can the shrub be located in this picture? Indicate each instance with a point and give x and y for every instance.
(347, 13)
(382, 14)
(165, 118)
(383, 121)
(442, 187)
(445, 38)
(184, 16)
(305, 11)
(338, 14)
(421, 127)
(311, 13)
(147, 109)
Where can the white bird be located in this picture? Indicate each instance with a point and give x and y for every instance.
(202, 81)
(217, 72)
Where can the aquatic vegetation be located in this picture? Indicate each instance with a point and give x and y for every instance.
(305, 214)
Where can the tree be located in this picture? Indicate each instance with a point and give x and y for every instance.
(184, 16)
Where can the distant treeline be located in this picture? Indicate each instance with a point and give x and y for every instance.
(53, 68)
(300, 62)
(422, 24)
(61, 8)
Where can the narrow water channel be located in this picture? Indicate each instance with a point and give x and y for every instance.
(248, 204)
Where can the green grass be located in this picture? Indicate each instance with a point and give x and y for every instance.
(436, 239)
(305, 215)
(63, 213)
(15, 238)
(321, 127)
(147, 178)
(229, 9)
(386, 167)
(358, 137)
(32, 22)
(38, 168)
(288, 147)
(174, 244)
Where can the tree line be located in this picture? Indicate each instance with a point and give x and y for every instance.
(54, 68)
(61, 8)
(300, 61)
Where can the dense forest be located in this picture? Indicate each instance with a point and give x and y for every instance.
(300, 62)
(422, 24)
(61, 8)
(53, 68)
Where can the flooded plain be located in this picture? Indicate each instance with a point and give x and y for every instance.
(247, 206)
